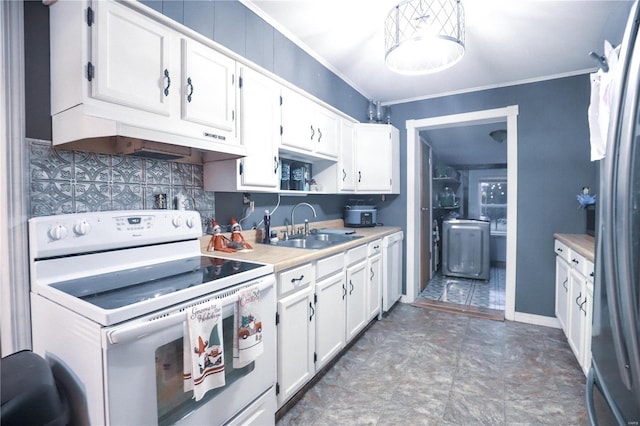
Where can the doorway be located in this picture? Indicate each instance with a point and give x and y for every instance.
(415, 253)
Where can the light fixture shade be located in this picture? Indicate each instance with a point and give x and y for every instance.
(424, 36)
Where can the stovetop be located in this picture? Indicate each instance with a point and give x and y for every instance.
(126, 287)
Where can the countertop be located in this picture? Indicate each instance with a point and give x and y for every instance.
(582, 244)
(287, 257)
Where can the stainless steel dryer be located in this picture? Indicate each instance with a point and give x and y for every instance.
(465, 248)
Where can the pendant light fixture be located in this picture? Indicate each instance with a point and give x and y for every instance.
(424, 36)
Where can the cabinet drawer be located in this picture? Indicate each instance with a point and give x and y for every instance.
(579, 263)
(589, 270)
(295, 279)
(357, 254)
(375, 247)
(329, 266)
(562, 251)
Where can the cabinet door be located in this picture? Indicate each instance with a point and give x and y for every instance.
(576, 297)
(346, 171)
(374, 287)
(259, 103)
(296, 340)
(298, 130)
(587, 313)
(562, 292)
(327, 131)
(208, 90)
(131, 60)
(356, 298)
(331, 295)
(373, 157)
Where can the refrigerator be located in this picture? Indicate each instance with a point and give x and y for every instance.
(613, 382)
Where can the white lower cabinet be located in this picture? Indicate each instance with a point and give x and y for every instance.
(576, 295)
(356, 281)
(374, 279)
(330, 321)
(296, 331)
(574, 305)
(562, 291)
(321, 307)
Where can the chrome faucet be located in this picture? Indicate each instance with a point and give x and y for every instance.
(293, 223)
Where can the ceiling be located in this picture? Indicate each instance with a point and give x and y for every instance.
(507, 42)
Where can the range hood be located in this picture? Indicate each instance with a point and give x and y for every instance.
(75, 129)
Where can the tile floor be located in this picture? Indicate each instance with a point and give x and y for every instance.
(424, 367)
(465, 291)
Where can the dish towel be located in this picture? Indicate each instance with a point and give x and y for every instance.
(603, 86)
(203, 349)
(247, 339)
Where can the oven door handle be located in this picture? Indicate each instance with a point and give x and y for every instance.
(136, 331)
(132, 332)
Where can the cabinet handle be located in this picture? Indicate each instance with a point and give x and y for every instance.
(344, 288)
(559, 249)
(578, 298)
(166, 76)
(293, 280)
(275, 161)
(581, 305)
(564, 284)
(351, 284)
(319, 135)
(575, 261)
(313, 311)
(359, 176)
(313, 132)
(372, 274)
(344, 175)
(190, 86)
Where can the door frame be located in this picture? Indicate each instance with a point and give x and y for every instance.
(507, 114)
(425, 227)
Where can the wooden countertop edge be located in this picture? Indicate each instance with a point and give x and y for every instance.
(583, 244)
(283, 258)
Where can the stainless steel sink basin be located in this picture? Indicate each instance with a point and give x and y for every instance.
(316, 241)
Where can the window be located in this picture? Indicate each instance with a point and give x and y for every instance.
(493, 203)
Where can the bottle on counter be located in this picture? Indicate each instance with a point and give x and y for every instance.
(267, 226)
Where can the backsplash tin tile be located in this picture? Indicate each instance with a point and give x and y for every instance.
(64, 181)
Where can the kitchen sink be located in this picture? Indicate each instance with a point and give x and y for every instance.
(316, 241)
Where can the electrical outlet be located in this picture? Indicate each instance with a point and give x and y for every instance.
(246, 200)
(251, 206)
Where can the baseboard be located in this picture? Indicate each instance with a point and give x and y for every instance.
(537, 320)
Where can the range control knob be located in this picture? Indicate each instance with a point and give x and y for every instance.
(177, 221)
(82, 227)
(58, 232)
(191, 222)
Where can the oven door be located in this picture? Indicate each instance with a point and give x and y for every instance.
(144, 367)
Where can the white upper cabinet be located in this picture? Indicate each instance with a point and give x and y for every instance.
(132, 60)
(327, 132)
(208, 88)
(260, 130)
(307, 126)
(297, 128)
(377, 158)
(120, 70)
(346, 157)
(260, 133)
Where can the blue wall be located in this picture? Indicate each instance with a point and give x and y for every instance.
(553, 165)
